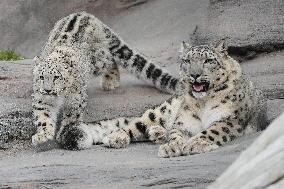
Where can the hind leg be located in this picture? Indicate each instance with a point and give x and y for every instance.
(111, 79)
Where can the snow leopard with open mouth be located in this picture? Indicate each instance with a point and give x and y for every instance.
(217, 105)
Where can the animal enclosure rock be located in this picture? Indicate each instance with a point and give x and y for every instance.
(252, 26)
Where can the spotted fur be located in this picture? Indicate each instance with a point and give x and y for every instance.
(198, 120)
(78, 45)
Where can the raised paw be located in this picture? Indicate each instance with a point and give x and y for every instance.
(117, 139)
(199, 145)
(157, 134)
(172, 149)
(110, 81)
(108, 86)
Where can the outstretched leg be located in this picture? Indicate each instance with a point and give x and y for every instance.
(111, 79)
(152, 125)
(77, 136)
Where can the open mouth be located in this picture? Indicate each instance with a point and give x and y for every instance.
(50, 94)
(200, 87)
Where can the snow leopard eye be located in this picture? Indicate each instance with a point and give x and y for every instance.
(211, 63)
(56, 77)
(207, 61)
(186, 61)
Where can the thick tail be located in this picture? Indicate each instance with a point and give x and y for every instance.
(84, 135)
(138, 65)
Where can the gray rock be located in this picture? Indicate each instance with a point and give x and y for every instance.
(137, 166)
(261, 165)
(252, 27)
(15, 100)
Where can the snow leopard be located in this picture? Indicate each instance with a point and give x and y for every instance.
(80, 46)
(217, 104)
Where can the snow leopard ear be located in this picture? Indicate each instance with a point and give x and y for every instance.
(184, 46)
(221, 45)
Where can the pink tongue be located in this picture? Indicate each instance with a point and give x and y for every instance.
(198, 87)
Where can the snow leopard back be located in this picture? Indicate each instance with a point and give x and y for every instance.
(102, 47)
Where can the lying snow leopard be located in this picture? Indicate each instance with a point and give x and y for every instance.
(78, 45)
(216, 106)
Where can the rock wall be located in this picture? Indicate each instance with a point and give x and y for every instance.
(252, 27)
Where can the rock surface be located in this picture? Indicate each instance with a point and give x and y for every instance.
(252, 27)
(135, 167)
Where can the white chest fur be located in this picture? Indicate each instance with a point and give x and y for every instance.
(209, 115)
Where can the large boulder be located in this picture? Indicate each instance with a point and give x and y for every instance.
(261, 165)
(252, 27)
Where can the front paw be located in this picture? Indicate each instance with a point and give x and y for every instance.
(45, 132)
(200, 145)
(117, 139)
(157, 134)
(172, 149)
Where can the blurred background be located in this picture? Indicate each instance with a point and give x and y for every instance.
(153, 26)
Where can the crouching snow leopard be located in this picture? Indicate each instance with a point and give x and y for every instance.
(78, 45)
(217, 105)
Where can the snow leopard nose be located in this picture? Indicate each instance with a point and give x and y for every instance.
(47, 91)
(195, 76)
